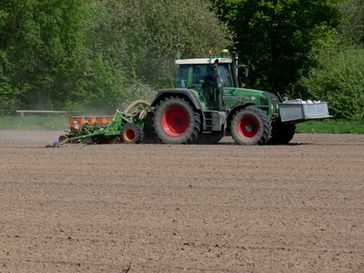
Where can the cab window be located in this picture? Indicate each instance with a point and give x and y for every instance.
(193, 76)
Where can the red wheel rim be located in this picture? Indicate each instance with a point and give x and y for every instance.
(175, 121)
(129, 135)
(247, 127)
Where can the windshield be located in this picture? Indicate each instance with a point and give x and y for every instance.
(225, 75)
(195, 75)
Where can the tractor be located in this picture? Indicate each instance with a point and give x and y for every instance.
(209, 103)
(201, 110)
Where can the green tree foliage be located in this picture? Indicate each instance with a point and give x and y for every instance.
(339, 75)
(39, 47)
(352, 27)
(97, 54)
(339, 79)
(132, 46)
(275, 37)
(141, 36)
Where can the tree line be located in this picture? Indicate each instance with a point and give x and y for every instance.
(100, 55)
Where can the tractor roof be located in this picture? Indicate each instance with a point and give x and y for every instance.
(204, 61)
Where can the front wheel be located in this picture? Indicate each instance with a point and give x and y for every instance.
(251, 126)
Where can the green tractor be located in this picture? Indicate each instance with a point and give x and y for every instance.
(208, 103)
(197, 110)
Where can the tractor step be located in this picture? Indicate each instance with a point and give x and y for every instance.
(214, 120)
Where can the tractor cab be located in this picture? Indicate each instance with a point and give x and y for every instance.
(197, 74)
(208, 76)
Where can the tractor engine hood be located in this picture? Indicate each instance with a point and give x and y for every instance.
(265, 100)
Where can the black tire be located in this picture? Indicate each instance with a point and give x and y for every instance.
(175, 122)
(88, 141)
(196, 132)
(211, 138)
(282, 134)
(132, 134)
(251, 126)
(98, 140)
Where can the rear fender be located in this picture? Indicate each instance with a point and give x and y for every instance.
(186, 94)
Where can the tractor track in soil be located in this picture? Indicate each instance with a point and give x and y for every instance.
(185, 208)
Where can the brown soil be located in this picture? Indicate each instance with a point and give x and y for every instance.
(162, 208)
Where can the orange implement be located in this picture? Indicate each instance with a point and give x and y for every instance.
(77, 122)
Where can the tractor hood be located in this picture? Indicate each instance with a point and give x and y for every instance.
(265, 100)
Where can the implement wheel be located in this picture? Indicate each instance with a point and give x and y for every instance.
(251, 126)
(175, 122)
(132, 134)
(88, 141)
(62, 138)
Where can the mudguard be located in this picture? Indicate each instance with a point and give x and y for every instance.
(187, 94)
(234, 110)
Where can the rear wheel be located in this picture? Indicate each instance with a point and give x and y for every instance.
(175, 122)
(251, 126)
(132, 134)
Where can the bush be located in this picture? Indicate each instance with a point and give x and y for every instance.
(105, 87)
(97, 54)
(8, 94)
(8, 98)
(40, 44)
(141, 37)
(339, 79)
(131, 48)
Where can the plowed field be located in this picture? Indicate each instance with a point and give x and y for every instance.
(162, 208)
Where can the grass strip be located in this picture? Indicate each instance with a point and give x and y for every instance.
(331, 126)
(33, 123)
